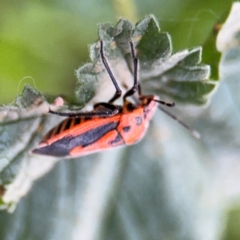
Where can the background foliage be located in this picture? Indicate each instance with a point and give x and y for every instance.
(47, 40)
(167, 187)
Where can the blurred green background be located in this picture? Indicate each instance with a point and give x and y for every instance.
(42, 43)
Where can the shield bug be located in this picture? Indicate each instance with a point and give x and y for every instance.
(108, 125)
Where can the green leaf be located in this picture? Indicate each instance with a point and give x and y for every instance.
(196, 92)
(153, 44)
(180, 79)
(22, 127)
(87, 83)
(158, 66)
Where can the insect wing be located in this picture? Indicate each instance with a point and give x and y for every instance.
(110, 139)
(78, 139)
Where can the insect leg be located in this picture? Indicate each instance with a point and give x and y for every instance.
(101, 113)
(107, 106)
(118, 92)
(136, 86)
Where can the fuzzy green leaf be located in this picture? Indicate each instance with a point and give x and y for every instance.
(153, 45)
(157, 63)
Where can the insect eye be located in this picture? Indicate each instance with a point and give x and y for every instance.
(138, 120)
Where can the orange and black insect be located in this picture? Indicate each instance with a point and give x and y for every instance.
(108, 125)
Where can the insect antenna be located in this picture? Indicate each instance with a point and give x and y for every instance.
(165, 103)
(193, 132)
